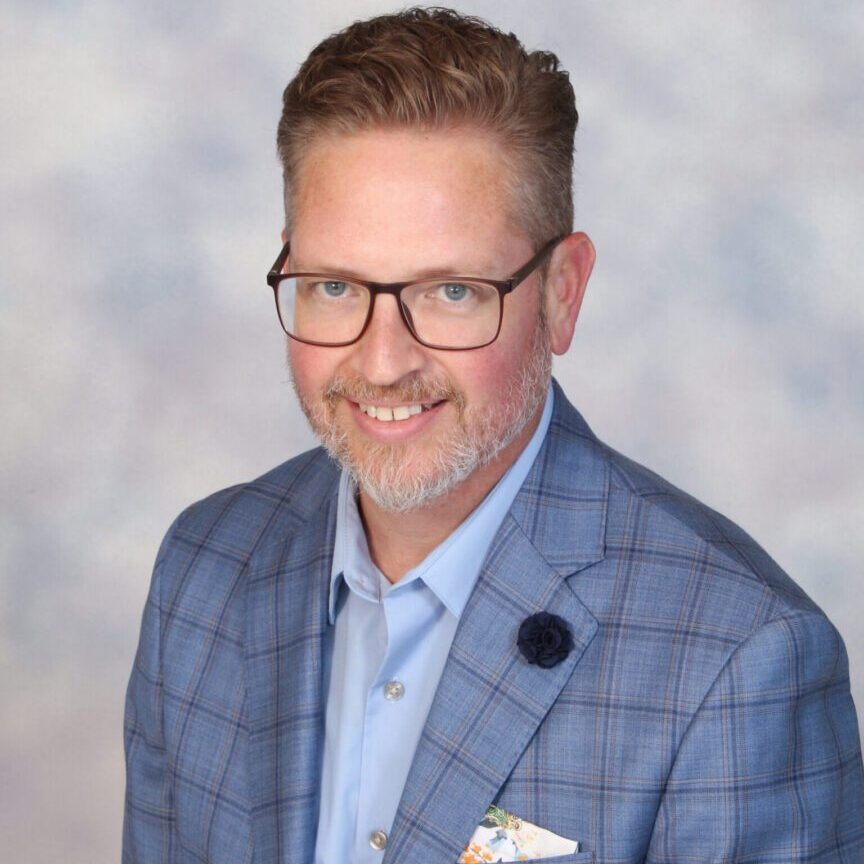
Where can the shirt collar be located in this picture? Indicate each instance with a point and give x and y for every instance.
(451, 569)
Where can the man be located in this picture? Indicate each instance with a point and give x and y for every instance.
(489, 636)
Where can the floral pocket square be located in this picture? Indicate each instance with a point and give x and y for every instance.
(501, 836)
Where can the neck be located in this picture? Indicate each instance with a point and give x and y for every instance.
(399, 541)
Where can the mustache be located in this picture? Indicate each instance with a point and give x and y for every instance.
(412, 390)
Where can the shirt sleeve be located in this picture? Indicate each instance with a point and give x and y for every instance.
(770, 769)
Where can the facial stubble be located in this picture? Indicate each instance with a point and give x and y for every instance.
(399, 477)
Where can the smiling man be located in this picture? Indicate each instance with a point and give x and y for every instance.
(465, 629)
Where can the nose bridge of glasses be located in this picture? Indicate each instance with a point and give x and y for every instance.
(393, 289)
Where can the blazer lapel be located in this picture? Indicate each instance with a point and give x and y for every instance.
(490, 701)
(286, 628)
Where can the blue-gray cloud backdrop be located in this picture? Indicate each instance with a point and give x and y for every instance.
(719, 174)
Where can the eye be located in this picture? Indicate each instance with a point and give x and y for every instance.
(332, 288)
(455, 291)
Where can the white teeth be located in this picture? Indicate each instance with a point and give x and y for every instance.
(387, 414)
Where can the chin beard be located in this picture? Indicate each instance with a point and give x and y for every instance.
(397, 479)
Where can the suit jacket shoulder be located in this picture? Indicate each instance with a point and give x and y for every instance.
(233, 524)
(245, 515)
(666, 539)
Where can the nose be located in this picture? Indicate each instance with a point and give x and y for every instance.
(387, 352)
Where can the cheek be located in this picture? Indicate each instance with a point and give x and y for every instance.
(296, 364)
(478, 373)
(507, 354)
(312, 357)
(311, 367)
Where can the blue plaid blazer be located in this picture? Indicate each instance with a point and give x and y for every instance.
(703, 715)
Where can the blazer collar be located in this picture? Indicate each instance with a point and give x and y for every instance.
(562, 504)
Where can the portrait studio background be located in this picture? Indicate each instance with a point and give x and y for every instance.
(718, 172)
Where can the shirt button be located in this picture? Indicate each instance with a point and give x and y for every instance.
(394, 690)
(378, 840)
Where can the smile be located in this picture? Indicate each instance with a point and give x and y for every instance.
(388, 413)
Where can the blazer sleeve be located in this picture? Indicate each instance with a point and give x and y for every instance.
(770, 768)
(148, 823)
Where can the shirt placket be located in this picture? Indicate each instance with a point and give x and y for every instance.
(388, 702)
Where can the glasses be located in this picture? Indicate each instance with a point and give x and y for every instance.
(452, 313)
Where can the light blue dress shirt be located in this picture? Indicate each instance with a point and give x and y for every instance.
(387, 652)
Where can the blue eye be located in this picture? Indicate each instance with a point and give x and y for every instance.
(455, 291)
(333, 288)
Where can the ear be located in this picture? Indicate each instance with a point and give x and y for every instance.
(284, 236)
(566, 280)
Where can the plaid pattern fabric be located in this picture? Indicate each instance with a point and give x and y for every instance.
(703, 715)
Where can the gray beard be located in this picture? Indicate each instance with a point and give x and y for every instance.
(383, 472)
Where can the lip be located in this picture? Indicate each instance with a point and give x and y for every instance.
(394, 430)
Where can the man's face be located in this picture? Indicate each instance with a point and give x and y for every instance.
(396, 205)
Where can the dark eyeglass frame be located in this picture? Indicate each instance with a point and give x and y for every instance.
(502, 286)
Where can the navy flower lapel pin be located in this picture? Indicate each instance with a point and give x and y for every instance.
(544, 639)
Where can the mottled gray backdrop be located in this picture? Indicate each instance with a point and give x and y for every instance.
(719, 174)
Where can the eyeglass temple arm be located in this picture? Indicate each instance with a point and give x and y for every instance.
(278, 264)
(524, 272)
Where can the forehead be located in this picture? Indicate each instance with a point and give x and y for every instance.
(391, 202)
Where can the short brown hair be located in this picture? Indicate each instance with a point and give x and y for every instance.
(436, 69)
